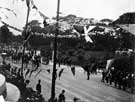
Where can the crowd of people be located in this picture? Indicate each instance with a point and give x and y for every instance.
(121, 80)
(28, 58)
(15, 76)
(121, 73)
(119, 76)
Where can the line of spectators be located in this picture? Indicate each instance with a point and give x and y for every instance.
(120, 79)
(14, 76)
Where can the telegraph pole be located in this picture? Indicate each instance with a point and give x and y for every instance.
(55, 54)
(26, 26)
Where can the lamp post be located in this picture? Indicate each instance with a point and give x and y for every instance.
(55, 54)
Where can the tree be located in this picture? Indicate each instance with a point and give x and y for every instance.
(106, 20)
(34, 23)
(6, 35)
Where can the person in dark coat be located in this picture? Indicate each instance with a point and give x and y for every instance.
(38, 87)
(62, 96)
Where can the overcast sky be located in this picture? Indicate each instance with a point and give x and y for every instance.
(97, 9)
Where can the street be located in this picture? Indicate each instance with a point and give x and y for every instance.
(92, 90)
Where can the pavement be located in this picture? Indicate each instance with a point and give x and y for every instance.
(92, 90)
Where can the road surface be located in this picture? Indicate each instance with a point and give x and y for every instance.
(92, 90)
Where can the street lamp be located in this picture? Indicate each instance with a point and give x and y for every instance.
(55, 54)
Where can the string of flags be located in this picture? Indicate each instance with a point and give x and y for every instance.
(73, 70)
(10, 10)
(48, 70)
(61, 71)
(30, 4)
(19, 30)
(33, 6)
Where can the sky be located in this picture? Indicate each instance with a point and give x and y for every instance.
(97, 9)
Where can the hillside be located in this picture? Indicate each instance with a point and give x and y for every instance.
(67, 22)
(126, 18)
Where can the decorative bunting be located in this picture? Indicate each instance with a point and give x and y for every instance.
(60, 72)
(10, 10)
(11, 26)
(48, 70)
(73, 70)
(34, 7)
(42, 15)
(4, 14)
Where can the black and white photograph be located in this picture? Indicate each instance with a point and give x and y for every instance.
(67, 50)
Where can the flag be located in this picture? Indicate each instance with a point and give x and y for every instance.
(42, 15)
(79, 29)
(86, 31)
(34, 7)
(48, 70)
(11, 26)
(88, 39)
(109, 63)
(60, 72)
(73, 70)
